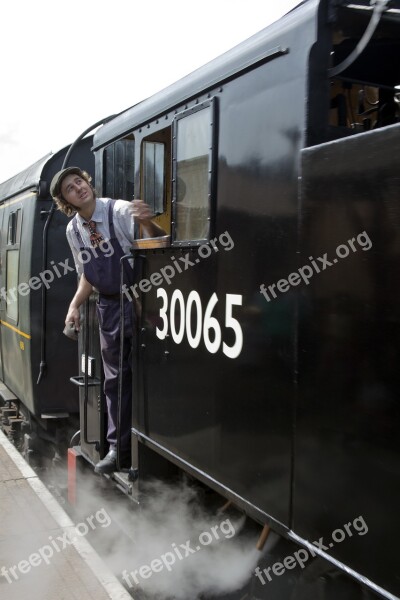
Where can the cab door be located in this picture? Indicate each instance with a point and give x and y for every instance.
(12, 338)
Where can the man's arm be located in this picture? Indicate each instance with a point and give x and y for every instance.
(82, 293)
(151, 229)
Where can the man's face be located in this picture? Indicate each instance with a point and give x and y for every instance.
(76, 191)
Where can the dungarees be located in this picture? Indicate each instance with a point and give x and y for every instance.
(103, 273)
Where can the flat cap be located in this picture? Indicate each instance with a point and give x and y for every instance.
(55, 186)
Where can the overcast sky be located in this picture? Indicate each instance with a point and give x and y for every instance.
(66, 65)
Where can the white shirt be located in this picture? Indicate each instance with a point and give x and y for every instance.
(124, 227)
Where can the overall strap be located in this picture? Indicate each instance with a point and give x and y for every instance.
(110, 217)
(77, 233)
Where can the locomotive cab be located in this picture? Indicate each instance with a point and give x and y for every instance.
(354, 64)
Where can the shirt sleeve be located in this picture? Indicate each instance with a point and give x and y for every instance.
(124, 221)
(71, 237)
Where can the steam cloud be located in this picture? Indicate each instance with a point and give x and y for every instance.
(173, 515)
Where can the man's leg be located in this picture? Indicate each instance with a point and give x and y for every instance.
(108, 313)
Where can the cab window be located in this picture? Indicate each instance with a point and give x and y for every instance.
(12, 263)
(155, 169)
(119, 169)
(154, 176)
(193, 174)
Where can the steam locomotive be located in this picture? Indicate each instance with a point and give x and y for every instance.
(267, 319)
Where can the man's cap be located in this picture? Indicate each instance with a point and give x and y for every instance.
(55, 186)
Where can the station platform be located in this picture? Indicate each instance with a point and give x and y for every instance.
(43, 554)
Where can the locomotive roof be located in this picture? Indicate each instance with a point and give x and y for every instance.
(24, 180)
(220, 69)
(206, 77)
(42, 171)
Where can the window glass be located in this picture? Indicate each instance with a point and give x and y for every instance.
(119, 167)
(192, 177)
(12, 284)
(154, 175)
(12, 229)
(18, 227)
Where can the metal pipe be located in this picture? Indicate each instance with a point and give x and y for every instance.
(50, 213)
(379, 8)
(263, 537)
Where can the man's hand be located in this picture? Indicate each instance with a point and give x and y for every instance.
(73, 317)
(82, 294)
(141, 211)
(143, 214)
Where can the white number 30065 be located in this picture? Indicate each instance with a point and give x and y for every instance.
(207, 328)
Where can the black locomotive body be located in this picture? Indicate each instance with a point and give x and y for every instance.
(37, 279)
(265, 359)
(267, 321)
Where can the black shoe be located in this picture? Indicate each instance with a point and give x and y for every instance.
(109, 463)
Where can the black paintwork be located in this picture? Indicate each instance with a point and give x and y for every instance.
(301, 428)
(347, 442)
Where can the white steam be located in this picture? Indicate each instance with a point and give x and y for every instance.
(178, 549)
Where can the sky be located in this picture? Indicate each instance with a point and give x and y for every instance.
(66, 65)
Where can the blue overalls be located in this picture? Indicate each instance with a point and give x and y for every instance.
(103, 273)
